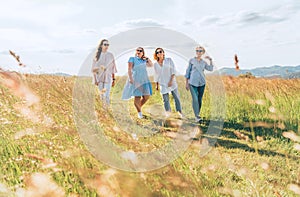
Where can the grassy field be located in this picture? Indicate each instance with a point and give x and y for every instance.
(256, 154)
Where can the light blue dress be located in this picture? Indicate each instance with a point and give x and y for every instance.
(141, 84)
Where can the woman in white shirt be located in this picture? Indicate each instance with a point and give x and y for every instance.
(104, 69)
(165, 77)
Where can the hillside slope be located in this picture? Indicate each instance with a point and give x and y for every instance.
(41, 151)
(279, 71)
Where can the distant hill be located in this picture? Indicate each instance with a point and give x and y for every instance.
(273, 71)
(61, 74)
(294, 75)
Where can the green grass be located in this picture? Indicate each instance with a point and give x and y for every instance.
(234, 166)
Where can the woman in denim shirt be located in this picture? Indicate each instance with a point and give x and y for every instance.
(195, 79)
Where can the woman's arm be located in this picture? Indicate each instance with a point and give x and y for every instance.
(113, 70)
(172, 67)
(187, 87)
(188, 71)
(113, 80)
(94, 67)
(188, 75)
(209, 67)
(94, 71)
(157, 84)
(130, 65)
(156, 76)
(149, 63)
(171, 80)
(95, 80)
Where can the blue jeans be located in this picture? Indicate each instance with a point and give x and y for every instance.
(176, 99)
(104, 92)
(197, 94)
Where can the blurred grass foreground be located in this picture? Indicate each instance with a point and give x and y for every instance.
(256, 154)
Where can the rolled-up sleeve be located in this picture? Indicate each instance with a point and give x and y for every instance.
(155, 73)
(93, 65)
(172, 67)
(113, 64)
(188, 71)
(209, 67)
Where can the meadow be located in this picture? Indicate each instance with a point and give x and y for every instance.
(256, 154)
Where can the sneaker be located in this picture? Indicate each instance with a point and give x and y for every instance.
(167, 114)
(140, 115)
(180, 115)
(198, 119)
(134, 136)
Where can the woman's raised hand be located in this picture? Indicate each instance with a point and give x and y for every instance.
(209, 58)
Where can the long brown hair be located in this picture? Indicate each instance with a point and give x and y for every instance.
(155, 55)
(99, 50)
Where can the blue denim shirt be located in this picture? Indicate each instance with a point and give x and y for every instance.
(195, 72)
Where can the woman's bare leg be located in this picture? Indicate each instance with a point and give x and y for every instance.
(144, 99)
(137, 103)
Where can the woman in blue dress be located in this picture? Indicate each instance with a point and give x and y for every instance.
(138, 84)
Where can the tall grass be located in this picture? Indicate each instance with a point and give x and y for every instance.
(255, 155)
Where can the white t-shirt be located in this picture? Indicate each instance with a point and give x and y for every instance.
(163, 74)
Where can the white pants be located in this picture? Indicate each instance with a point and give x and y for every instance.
(104, 89)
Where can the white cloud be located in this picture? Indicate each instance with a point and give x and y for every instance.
(272, 14)
(63, 51)
(4, 52)
(147, 22)
(54, 33)
(285, 43)
(90, 31)
(32, 23)
(254, 18)
(242, 18)
(209, 19)
(41, 14)
(131, 24)
(21, 38)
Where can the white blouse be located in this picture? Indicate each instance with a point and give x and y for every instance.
(163, 74)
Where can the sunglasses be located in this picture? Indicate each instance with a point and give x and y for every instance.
(199, 51)
(106, 44)
(139, 50)
(157, 52)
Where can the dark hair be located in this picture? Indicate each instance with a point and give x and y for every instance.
(155, 55)
(99, 50)
(142, 50)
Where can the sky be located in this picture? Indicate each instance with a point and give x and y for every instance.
(57, 36)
